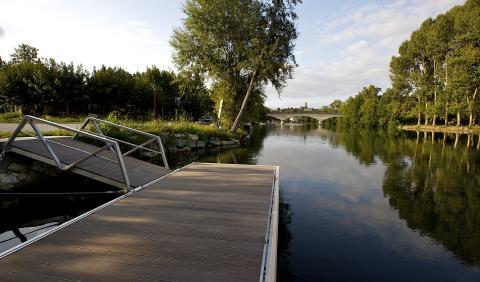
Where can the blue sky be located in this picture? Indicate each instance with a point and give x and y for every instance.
(343, 45)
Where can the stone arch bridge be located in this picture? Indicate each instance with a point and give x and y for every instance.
(320, 116)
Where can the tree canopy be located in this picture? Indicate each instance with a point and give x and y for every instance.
(241, 46)
(43, 86)
(436, 74)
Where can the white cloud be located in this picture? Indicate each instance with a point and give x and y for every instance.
(338, 54)
(363, 40)
(65, 35)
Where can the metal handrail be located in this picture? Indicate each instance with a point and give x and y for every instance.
(95, 122)
(109, 144)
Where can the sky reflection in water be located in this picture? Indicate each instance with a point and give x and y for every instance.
(355, 206)
(368, 206)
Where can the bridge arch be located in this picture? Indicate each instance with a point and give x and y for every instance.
(317, 116)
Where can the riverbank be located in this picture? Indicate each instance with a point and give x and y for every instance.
(443, 129)
(176, 136)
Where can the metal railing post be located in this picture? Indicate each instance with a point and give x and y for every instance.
(136, 147)
(99, 130)
(19, 128)
(45, 144)
(110, 143)
(85, 122)
(164, 157)
(123, 168)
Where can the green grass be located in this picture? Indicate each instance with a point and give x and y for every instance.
(162, 128)
(15, 117)
(157, 127)
(204, 132)
(11, 117)
(65, 119)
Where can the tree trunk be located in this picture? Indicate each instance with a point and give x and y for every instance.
(419, 121)
(245, 100)
(459, 119)
(471, 105)
(446, 83)
(446, 114)
(434, 120)
(426, 116)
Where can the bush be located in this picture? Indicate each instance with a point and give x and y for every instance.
(11, 117)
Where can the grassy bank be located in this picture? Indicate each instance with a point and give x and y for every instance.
(159, 127)
(443, 129)
(156, 127)
(15, 117)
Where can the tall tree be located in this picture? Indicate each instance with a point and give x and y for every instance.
(196, 99)
(24, 53)
(240, 45)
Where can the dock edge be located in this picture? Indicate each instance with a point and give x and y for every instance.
(268, 271)
(82, 216)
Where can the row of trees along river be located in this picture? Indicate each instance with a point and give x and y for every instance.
(434, 78)
(238, 55)
(43, 86)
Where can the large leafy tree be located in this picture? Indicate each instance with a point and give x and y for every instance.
(165, 89)
(24, 53)
(436, 73)
(43, 86)
(196, 99)
(241, 45)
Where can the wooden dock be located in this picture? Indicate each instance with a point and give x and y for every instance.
(101, 167)
(204, 222)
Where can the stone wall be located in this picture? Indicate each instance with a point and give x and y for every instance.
(178, 143)
(16, 171)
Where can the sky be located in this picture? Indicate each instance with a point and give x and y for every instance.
(342, 45)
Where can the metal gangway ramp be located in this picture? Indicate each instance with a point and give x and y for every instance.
(92, 154)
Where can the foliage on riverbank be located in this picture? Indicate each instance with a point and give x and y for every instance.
(41, 86)
(157, 127)
(435, 78)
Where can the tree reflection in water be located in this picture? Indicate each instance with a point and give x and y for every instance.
(432, 180)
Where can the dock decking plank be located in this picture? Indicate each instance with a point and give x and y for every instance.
(177, 229)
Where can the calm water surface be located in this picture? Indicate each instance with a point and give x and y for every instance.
(355, 206)
(365, 206)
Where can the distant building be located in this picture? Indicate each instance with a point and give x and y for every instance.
(305, 108)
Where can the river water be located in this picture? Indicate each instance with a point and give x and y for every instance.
(355, 205)
(367, 206)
